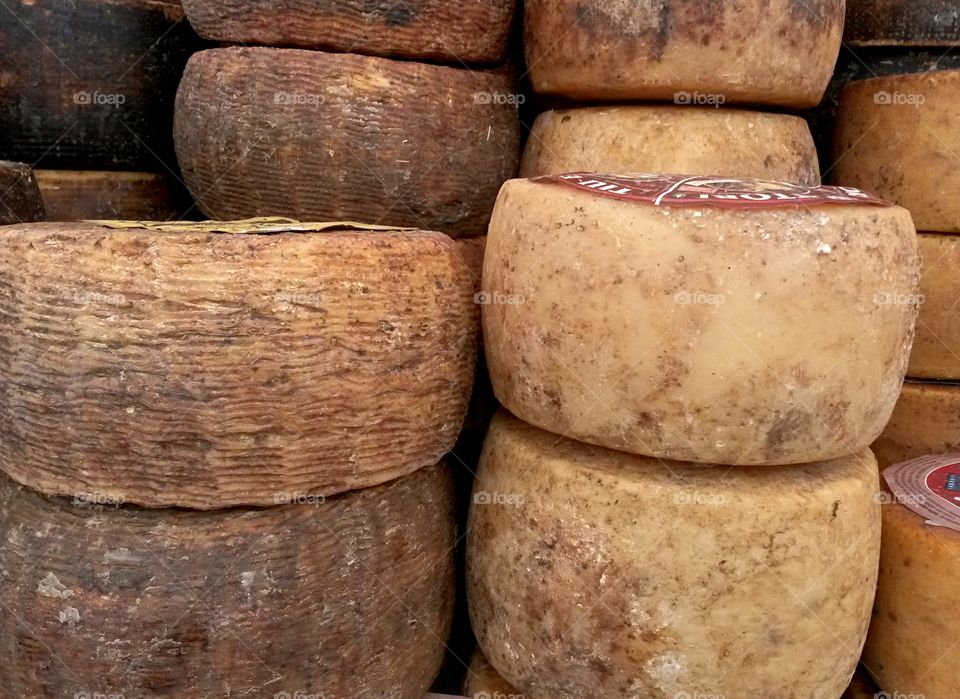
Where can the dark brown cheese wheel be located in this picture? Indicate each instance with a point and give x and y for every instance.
(902, 23)
(778, 52)
(206, 370)
(321, 136)
(20, 200)
(926, 420)
(438, 30)
(350, 598)
(91, 83)
(898, 136)
(77, 195)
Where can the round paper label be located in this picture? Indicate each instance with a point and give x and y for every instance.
(930, 486)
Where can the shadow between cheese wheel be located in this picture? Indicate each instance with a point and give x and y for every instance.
(20, 200)
(345, 598)
(483, 681)
(702, 319)
(179, 366)
(594, 573)
(862, 687)
(78, 195)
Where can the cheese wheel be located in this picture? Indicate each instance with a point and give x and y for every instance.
(91, 83)
(862, 687)
(78, 195)
(911, 649)
(896, 136)
(672, 139)
(902, 23)
(779, 52)
(926, 420)
(483, 681)
(594, 573)
(350, 597)
(698, 333)
(937, 346)
(324, 136)
(20, 200)
(207, 370)
(436, 30)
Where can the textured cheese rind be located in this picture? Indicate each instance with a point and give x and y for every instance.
(20, 200)
(658, 139)
(439, 30)
(936, 350)
(352, 597)
(483, 681)
(209, 370)
(332, 137)
(780, 52)
(617, 576)
(926, 420)
(911, 649)
(902, 23)
(79, 195)
(905, 151)
(726, 336)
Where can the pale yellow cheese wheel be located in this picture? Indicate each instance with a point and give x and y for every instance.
(679, 140)
(594, 573)
(926, 420)
(936, 350)
(698, 334)
(899, 136)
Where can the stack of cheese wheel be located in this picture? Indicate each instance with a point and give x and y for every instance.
(224, 455)
(897, 135)
(778, 54)
(681, 500)
(403, 114)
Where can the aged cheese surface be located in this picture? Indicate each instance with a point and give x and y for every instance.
(484, 682)
(936, 350)
(779, 52)
(729, 142)
(594, 573)
(78, 195)
(322, 136)
(724, 335)
(439, 30)
(897, 136)
(902, 23)
(912, 649)
(20, 200)
(926, 420)
(348, 598)
(206, 370)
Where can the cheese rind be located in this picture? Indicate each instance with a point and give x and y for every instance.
(926, 420)
(78, 195)
(902, 23)
(591, 572)
(484, 682)
(700, 334)
(209, 370)
(213, 604)
(897, 137)
(779, 52)
(911, 647)
(436, 30)
(20, 200)
(331, 137)
(678, 140)
(936, 350)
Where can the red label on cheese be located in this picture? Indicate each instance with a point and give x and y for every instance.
(718, 192)
(930, 486)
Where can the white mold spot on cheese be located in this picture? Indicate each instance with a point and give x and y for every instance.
(823, 248)
(51, 587)
(70, 615)
(665, 669)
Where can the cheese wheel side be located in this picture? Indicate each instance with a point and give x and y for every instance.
(936, 350)
(926, 420)
(79, 195)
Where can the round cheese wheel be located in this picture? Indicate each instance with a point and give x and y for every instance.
(77, 195)
(351, 596)
(911, 649)
(728, 142)
(937, 345)
(184, 367)
(91, 83)
(594, 573)
(926, 420)
(20, 200)
(319, 136)
(862, 687)
(694, 332)
(902, 23)
(779, 52)
(437, 30)
(483, 681)
(895, 137)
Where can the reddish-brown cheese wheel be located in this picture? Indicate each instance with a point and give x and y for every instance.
(207, 370)
(77, 195)
(321, 136)
(778, 52)
(20, 200)
(346, 598)
(437, 30)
